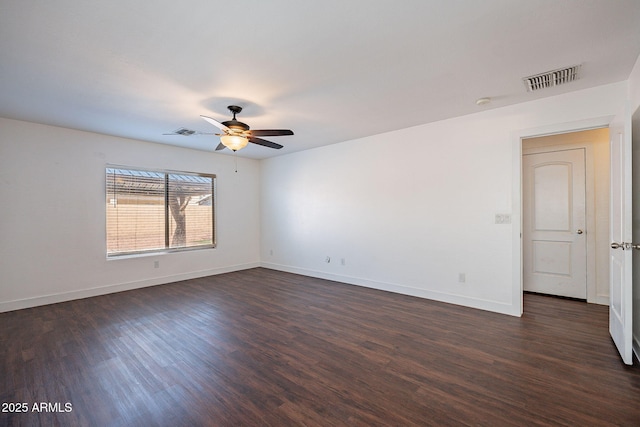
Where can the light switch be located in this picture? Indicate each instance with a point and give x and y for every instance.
(503, 218)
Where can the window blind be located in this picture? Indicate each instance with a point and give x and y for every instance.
(150, 211)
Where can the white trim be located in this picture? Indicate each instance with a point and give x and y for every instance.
(119, 287)
(516, 140)
(488, 305)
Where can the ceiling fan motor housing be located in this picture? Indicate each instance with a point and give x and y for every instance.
(234, 124)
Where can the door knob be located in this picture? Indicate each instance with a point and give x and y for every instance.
(579, 231)
(624, 246)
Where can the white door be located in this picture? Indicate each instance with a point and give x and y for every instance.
(621, 260)
(554, 242)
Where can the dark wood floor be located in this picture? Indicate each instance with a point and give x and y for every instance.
(261, 347)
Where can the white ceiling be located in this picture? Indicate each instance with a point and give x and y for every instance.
(330, 70)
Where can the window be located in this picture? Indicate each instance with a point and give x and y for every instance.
(151, 211)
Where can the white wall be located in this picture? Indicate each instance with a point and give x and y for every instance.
(407, 210)
(52, 227)
(634, 86)
(410, 210)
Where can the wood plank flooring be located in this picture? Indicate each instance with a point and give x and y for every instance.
(266, 348)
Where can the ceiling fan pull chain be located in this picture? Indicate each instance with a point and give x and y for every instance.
(235, 158)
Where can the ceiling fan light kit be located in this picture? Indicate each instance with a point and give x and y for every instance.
(237, 134)
(234, 142)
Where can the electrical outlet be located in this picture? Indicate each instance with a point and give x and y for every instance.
(343, 261)
(462, 277)
(156, 264)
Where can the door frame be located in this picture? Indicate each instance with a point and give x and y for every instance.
(517, 197)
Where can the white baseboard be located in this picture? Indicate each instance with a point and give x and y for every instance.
(119, 287)
(497, 307)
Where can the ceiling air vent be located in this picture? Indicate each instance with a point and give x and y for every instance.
(184, 131)
(551, 78)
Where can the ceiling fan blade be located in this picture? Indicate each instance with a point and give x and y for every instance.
(270, 132)
(220, 147)
(216, 123)
(265, 143)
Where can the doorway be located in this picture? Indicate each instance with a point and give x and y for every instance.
(565, 216)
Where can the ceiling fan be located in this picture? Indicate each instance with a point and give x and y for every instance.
(237, 134)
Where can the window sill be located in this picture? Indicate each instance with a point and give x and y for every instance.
(157, 253)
